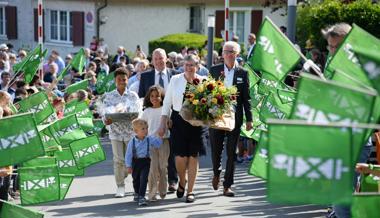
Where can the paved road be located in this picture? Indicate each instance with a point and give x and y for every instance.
(92, 196)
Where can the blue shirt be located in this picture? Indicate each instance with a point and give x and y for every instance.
(140, 148)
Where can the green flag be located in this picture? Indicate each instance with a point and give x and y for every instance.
(269, 84)
(30, 67)
(64, 72)
(365, 205)
(255, 123)
(87, 151)
(65, 183)
(37, 103)
(309, 164)
(260, 161)
(86, 124)
(79, 61)
(40, 162)
(19, 139)
(70, 107)
(98, 126)
(47, 137)
(82, 110)
(257, 133)
(328, 101)
(286, 96)
(272, 107)
(67, 130)
(39, 184)
(269, 52)
(370, 61)
(77, 86)
(10, 210)
(105, 83)
(344, 65)
(66, 162)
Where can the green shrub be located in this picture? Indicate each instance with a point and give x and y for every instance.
(175, 42)
(311, 18)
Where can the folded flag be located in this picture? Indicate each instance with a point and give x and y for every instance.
(260, 161)
(66, 162)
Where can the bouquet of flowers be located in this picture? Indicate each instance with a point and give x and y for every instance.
(209, 103)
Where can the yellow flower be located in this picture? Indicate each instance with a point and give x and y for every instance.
(200, 88)
(233, 90)
(191, 96)
(195, 102)
(222, 88)
(214, 100)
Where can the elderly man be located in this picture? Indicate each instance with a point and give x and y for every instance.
(120, 53)
(252, 43)
(160, 75)
(334, 35)
(233, 76)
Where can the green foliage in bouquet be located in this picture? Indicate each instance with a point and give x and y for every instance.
(209, 99)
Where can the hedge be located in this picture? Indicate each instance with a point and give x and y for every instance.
(175, 42)
(311, 18)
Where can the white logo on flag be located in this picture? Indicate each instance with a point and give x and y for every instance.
(39, 107)
(310, 167)
(66, 163)
(16, 140)
(373, 69)
(86, 151)
(350, 54)
(267, 45)
(36, 184)
(66, 130)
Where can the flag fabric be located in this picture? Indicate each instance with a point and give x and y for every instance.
(256, 134)
(70, 107)
(87, 151)
(82, 110)
(66, 162)
(370, 182)
(255, 123)
(269, 84)
(98, 126)
(30, 63)
(19, 139)
(309, 164)
(252, 76)
(67, 130)
(39, 184)
(86, 124)
(370, 62)
(345, 60)
(269, 52)
(328, 101)
(37, 103)
(365, 205)
(10, 210)
(272, 107)
(105, 83)
(79, 61)
(64, 72)
(40, 162)
(286, 96)
(47, 136)
(77, 86)
(65, 183)
(260, 161)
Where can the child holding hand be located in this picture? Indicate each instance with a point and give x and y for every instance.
(137, 158)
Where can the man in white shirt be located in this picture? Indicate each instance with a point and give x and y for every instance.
(252, 43)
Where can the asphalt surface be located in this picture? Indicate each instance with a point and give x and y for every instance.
(92, 195)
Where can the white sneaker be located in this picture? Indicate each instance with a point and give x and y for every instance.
(120, 192)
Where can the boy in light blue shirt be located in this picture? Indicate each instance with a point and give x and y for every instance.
(137, 158)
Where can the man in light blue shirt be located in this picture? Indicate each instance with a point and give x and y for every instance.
(137, 158)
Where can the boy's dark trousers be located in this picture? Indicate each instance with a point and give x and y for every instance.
(140, 173)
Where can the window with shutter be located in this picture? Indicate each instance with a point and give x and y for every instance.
(60, 26)
(78, 28)
(256, 19)
(11, 22)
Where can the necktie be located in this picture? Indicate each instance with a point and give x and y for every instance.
(161, 80)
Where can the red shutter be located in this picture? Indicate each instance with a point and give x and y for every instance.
(11, 18)
(78, 28)
(35, 12)
(256, 19)
(219, 23)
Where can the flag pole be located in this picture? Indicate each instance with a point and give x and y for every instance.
(318, 71)
(40, 34)
(226, 17)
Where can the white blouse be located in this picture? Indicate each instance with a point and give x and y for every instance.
(174, 93)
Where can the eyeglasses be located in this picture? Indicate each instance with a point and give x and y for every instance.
(228, 52)
(190, 65)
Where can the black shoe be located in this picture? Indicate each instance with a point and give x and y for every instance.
(181, 193)
(228, 192)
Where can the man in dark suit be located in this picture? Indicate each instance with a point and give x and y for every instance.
(160, 75)
(233, 75)
(120, 53)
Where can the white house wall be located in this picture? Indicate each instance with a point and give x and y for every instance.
(131, 24)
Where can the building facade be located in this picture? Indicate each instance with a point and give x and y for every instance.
(69, 24)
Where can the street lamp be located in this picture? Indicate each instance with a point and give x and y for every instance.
(210, 40)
